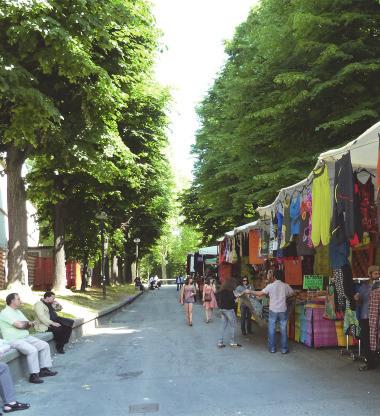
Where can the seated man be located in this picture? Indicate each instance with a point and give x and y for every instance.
(7, 391)
(14, 328)
(48, 320)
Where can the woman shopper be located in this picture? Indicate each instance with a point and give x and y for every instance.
(187, 298)
(226, 303)
(208, 298)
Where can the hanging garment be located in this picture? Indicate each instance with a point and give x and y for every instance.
(339, 290)
(254, 246)
(374, 310)
(358, 236)
(304, 237)
(339, 253)
(293, 270)
(321, 207)
(367, 206)
(295, 215)
(271, 239)
(343, 219)
(307, 265)
(351, 323)
(286, 224)
(330, 303)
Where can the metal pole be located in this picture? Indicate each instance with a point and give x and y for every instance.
(137, 256)
(103, 262)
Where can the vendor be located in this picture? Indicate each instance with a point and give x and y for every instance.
(362, 298)
(278, 292)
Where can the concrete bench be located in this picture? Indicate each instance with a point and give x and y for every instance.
(17, 362)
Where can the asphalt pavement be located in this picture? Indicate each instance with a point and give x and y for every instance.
(144, 360)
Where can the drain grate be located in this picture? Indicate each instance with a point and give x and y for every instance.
(143, 408)
(130, 374)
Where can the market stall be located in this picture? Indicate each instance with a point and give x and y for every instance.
(323, 232)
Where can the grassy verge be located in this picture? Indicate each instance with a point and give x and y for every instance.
(92, 298)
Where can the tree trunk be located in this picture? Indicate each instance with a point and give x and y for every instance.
(84, 274)
(163, 266)
(96, 275)
(115, 269)
(17, 219)
(128, 269)
(107, 269)
(120, 270)
(59, 275)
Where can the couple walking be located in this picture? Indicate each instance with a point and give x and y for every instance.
(188, 297)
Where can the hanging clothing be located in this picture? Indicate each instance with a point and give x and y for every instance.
(295, 215)
(304, 237)
(343, 219)
(358, 236)
(374, 310)
(286, 224)
(339, 253)
(367, 206)
(351, 324)
(321, 207)
(254, 247)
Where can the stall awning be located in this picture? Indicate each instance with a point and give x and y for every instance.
(210, 251)
(364, 154)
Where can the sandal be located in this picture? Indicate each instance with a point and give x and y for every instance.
(15, 406)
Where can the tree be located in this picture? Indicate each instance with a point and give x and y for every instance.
(300, 78)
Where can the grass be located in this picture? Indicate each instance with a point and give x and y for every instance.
(92, 298)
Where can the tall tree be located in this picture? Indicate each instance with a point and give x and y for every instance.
(300, 78)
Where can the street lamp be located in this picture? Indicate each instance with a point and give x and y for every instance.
(102, 216)
(136, 241)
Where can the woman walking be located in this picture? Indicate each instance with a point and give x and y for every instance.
(226, 303)
(208, 297)
(187, 298)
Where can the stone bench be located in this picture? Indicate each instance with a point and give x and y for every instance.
(17, 362)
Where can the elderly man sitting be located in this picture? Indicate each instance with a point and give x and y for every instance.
(47, 319)
(14, 328)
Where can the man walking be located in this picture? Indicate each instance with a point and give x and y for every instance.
(14, 328)
(278, 292)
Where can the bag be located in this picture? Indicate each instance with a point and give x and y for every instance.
(207, 297)
(65, 321)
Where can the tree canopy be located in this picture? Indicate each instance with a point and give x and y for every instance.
(300, 78)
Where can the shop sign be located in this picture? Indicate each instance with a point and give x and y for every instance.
(313, 282)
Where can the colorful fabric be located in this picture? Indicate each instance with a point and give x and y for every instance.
(351, 323)
(324, 330)
(254, 247)
(374, 310)
(320, 232)
(330, 303)
(295, 215)
(367, 206)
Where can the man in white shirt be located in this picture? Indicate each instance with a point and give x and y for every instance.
(278, 292)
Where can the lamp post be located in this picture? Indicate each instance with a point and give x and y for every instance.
(136, 241)
(102, 216)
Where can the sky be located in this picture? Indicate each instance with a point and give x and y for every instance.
(193, 34)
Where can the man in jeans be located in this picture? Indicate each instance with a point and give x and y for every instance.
(278, 292)
(14, 328)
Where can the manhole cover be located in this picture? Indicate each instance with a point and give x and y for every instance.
(130, 374)
(143, 408)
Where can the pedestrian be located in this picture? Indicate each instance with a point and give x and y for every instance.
(208, 298)
(151, 283)
(14, 328)
(7, 391)
(47, 319)
(245, 311)
(226, 302)
(278, 292)
(178, 280)
(362, 298)
(187, 298)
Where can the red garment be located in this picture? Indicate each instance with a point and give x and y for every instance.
(293, 270)
(254, 247)
(367, 206)
(374, 310)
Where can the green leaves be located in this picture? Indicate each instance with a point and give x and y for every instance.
(301, 77)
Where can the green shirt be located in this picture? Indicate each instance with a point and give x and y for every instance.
(8, 317)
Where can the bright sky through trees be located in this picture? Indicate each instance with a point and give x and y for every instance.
(194, 31)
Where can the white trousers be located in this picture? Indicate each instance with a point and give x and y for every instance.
(37, 352)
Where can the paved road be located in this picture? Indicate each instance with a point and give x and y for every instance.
(145, 360)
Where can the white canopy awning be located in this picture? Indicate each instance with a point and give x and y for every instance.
(364, 154)
(211, 251)
(364, 149)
